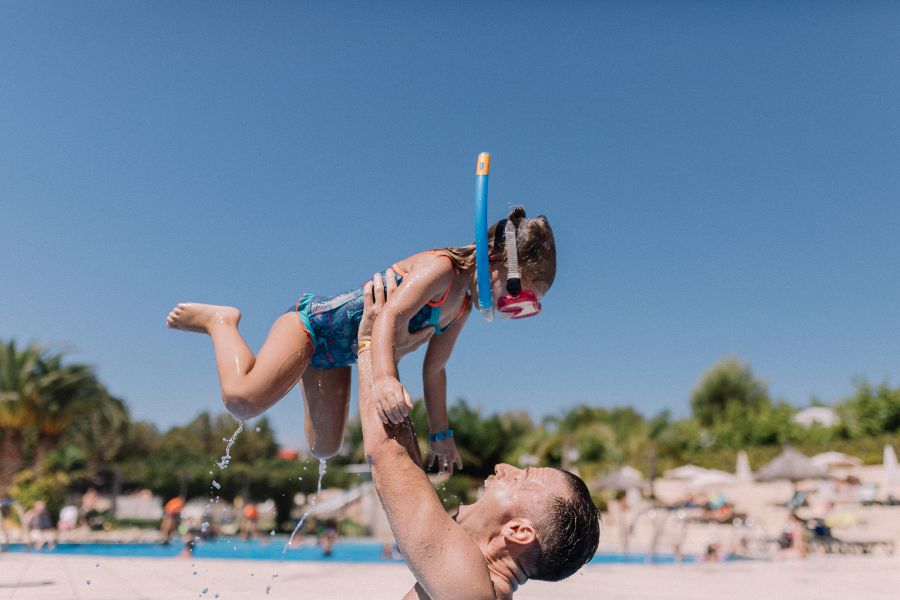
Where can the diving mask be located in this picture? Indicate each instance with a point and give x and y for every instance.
(518, 303)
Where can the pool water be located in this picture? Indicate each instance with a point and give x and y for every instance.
(343, 551)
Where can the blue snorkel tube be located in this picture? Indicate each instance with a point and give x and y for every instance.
(482, 264)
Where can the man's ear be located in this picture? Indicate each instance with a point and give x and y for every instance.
(520, 532)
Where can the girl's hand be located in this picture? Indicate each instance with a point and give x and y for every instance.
(446, 455)
(392, 401)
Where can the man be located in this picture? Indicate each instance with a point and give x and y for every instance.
(536, 523)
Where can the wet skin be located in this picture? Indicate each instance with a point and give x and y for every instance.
(482, 553)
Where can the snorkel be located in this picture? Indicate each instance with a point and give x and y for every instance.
(482, 263)
(517, 303)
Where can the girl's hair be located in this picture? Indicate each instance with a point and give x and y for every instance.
(535, 244)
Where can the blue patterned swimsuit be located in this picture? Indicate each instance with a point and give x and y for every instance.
(332, 323)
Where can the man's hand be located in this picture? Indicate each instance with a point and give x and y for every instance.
(445, 454)
(376, 294)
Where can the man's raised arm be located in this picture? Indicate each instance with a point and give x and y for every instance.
(444, 559)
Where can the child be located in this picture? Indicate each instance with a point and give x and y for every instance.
(315, 342)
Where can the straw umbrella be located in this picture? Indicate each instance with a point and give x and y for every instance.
(836, 460)
(624, 479)
(793, 466)
(686, 472)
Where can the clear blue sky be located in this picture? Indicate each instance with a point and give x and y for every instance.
(723, 179)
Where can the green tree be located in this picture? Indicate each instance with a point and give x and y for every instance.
(871, 410)
(582, 437)
(728, 390)
(102, 436)
(65, 394)
(17, 384)
(40, 395)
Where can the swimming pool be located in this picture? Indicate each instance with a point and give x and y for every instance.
(343, 551)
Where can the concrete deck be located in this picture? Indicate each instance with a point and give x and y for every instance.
(30, 577)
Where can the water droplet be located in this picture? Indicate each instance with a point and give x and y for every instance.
(272, 533)
(216, 485)
(268, 589)
(97, 565)
(195, 572)
(204, 590)
(258, 429)
(89, 582)
(216, 595)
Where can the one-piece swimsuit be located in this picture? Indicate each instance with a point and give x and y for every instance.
(332, 323)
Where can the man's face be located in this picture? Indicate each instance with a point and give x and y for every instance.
(512, 492)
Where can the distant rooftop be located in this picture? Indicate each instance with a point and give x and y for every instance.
(822, 415)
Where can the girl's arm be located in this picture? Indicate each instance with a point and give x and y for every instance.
(434, 378)
(430, 278)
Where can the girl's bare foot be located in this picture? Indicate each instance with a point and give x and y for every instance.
(191, 316)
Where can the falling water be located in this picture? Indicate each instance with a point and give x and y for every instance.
(223, 463)
(226, 458)
(323, 467)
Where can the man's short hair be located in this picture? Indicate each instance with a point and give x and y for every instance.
(568, 535)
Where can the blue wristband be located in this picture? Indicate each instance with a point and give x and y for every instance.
(440, 435)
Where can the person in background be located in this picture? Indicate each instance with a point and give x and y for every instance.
(328, 537)
(40, 525)
(171, 518)
(249, 522)
(68, 518)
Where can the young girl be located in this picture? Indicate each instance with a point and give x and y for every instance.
(315, 342)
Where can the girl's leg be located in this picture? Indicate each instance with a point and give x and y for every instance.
(327, 394)
(250, 384)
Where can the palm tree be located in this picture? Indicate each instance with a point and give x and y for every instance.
(39, 393)
(101, 434)
(581, 435)
(65, 393)
(16, 385)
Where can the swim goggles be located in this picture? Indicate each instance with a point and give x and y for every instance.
(517, 303)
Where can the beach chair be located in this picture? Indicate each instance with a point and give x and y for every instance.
(820, 538)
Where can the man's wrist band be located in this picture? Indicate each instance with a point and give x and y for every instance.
(441, 435)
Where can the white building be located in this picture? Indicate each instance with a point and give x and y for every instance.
(823, 415)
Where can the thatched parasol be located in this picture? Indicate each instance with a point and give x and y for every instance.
(699, 477)
(836, 460)
(791, 465)
(624, 479)
(686, 472)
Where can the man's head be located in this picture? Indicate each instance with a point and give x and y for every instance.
(545, 516)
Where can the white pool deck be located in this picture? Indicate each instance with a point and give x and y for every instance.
(30, 577)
